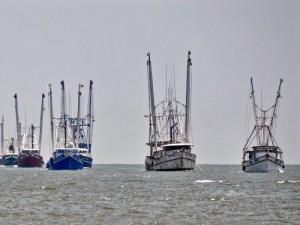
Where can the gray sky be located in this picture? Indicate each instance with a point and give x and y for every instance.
(46, 41)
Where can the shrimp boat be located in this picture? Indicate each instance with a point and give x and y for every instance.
(9, 158)
(83, 129)
(72, 150)
(170, 142)
(65, 153)
(9, 152)
(265, 155)
(30, 153)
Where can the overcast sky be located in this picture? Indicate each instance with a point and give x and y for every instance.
(46, 41)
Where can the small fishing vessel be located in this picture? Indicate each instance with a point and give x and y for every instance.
(30, 153)
(9, 158)
(261, 152)
(66, 154)
(9, 152)
(169, 137)
(84, 129)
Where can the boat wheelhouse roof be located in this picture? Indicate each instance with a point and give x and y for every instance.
(61, 150)
(262, 148)
(178, 144)
(30, 149)
(11, 154)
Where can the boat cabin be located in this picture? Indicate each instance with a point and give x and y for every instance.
(30, 151)
(259, 151)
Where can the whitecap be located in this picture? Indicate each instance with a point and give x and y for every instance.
(205, 181)
(293, 181)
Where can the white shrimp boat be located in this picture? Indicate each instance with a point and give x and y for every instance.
(169, 137)
(264, 155)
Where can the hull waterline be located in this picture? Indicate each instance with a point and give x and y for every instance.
(87, 161)
(9, 161)
(66, 163)
(30, 161)
(263, 164)
(175, 162)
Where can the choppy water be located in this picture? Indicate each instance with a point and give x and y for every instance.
(127, 194)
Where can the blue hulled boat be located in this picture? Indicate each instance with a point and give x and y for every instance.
(70, 136)
(65, 159)
(82, 129)
(86, 158)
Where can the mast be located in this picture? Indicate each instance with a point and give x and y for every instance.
(17, 122)
(32, 136)
(254, 110)
(274, 115)
(151, 105)
(78, 116)
(63, 111)
(188, 99)
(41, 122)
(276, 104)
(90, 117)
(51, 116)
(2, 135)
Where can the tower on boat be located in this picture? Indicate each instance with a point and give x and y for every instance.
(261, 152)
(170, 128)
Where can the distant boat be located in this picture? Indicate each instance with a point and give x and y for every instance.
(9, 151)
(30, 153)
(169, 141)
(265, 155)
(82, 128)
(9, 158)
(66, 154)
(83, 133)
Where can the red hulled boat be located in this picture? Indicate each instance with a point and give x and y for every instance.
(29, 143)
(30, 158)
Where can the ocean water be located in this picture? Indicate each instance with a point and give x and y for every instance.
(127, 194)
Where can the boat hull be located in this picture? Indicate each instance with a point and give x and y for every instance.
(174, 162)
(9, 160)
(65, 163)
(87, 161)
(263, 164)
(30, 161)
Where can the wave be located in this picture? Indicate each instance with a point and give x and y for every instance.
(288, 181)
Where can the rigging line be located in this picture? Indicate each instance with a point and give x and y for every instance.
(174, 81)
(275, 119)
(49, 136)
(166, 82)
(247, 121)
